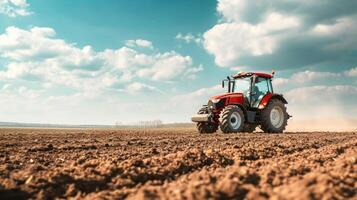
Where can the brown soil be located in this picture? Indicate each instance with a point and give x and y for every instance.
(175, 164)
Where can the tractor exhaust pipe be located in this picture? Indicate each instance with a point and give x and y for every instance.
(231, 84)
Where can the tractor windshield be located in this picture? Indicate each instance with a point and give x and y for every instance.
(243, 85)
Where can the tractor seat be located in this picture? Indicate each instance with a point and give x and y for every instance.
(257, 102)
(257, 97)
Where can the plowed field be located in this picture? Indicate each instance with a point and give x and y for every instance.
(176, 163)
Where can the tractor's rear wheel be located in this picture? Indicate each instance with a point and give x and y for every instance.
(249, 128)
(274, 117)
(232, 119)
(206, 127)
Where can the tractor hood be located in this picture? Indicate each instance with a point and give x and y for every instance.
(226, 95)
(219, 101)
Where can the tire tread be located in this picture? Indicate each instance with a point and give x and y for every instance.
(224, 118)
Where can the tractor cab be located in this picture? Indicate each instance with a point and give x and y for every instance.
(248, 103)
(253, 87)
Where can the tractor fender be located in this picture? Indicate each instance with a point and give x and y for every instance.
(237, 100)
(266, 99)
(241, 107)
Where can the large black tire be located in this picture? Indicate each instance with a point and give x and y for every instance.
(206, 127)
(268, 123)
(249, 128)
(232, 119)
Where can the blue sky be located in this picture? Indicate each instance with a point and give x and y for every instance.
(89, 62)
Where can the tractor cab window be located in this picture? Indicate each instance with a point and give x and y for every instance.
(259, 90)
(262, 85)
(242, 85)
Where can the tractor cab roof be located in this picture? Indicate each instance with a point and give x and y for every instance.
(248, 74)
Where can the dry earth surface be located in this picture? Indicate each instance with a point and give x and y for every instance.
(175, 163)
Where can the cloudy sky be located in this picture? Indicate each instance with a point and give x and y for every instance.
(90, 62)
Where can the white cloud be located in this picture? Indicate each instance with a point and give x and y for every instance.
(200, 93)
(339, 27)
(332, 102)
(38, 43)
(278, 82)
(189, 38)
(232, 10)
(342, 28)
(191, 73)
(21, 92)
(306, 76)
(230, 40)
(28, 93)
(37, 53)
(13, 8)
(320, 93)
(276, 33)
(6, 87)
(125, 57)
(352, 72)
(140, 87)
(167, 66)
(191, 102)
(15, 70)
(139, 43)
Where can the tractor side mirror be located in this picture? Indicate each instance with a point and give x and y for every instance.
(223, 84)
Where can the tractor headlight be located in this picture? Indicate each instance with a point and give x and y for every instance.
(215, 100)
(215, 103)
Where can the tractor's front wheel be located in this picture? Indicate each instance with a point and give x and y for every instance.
(274, 117)
(206, 127)
(232, 119)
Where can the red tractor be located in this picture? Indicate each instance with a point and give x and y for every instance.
(254, 104)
